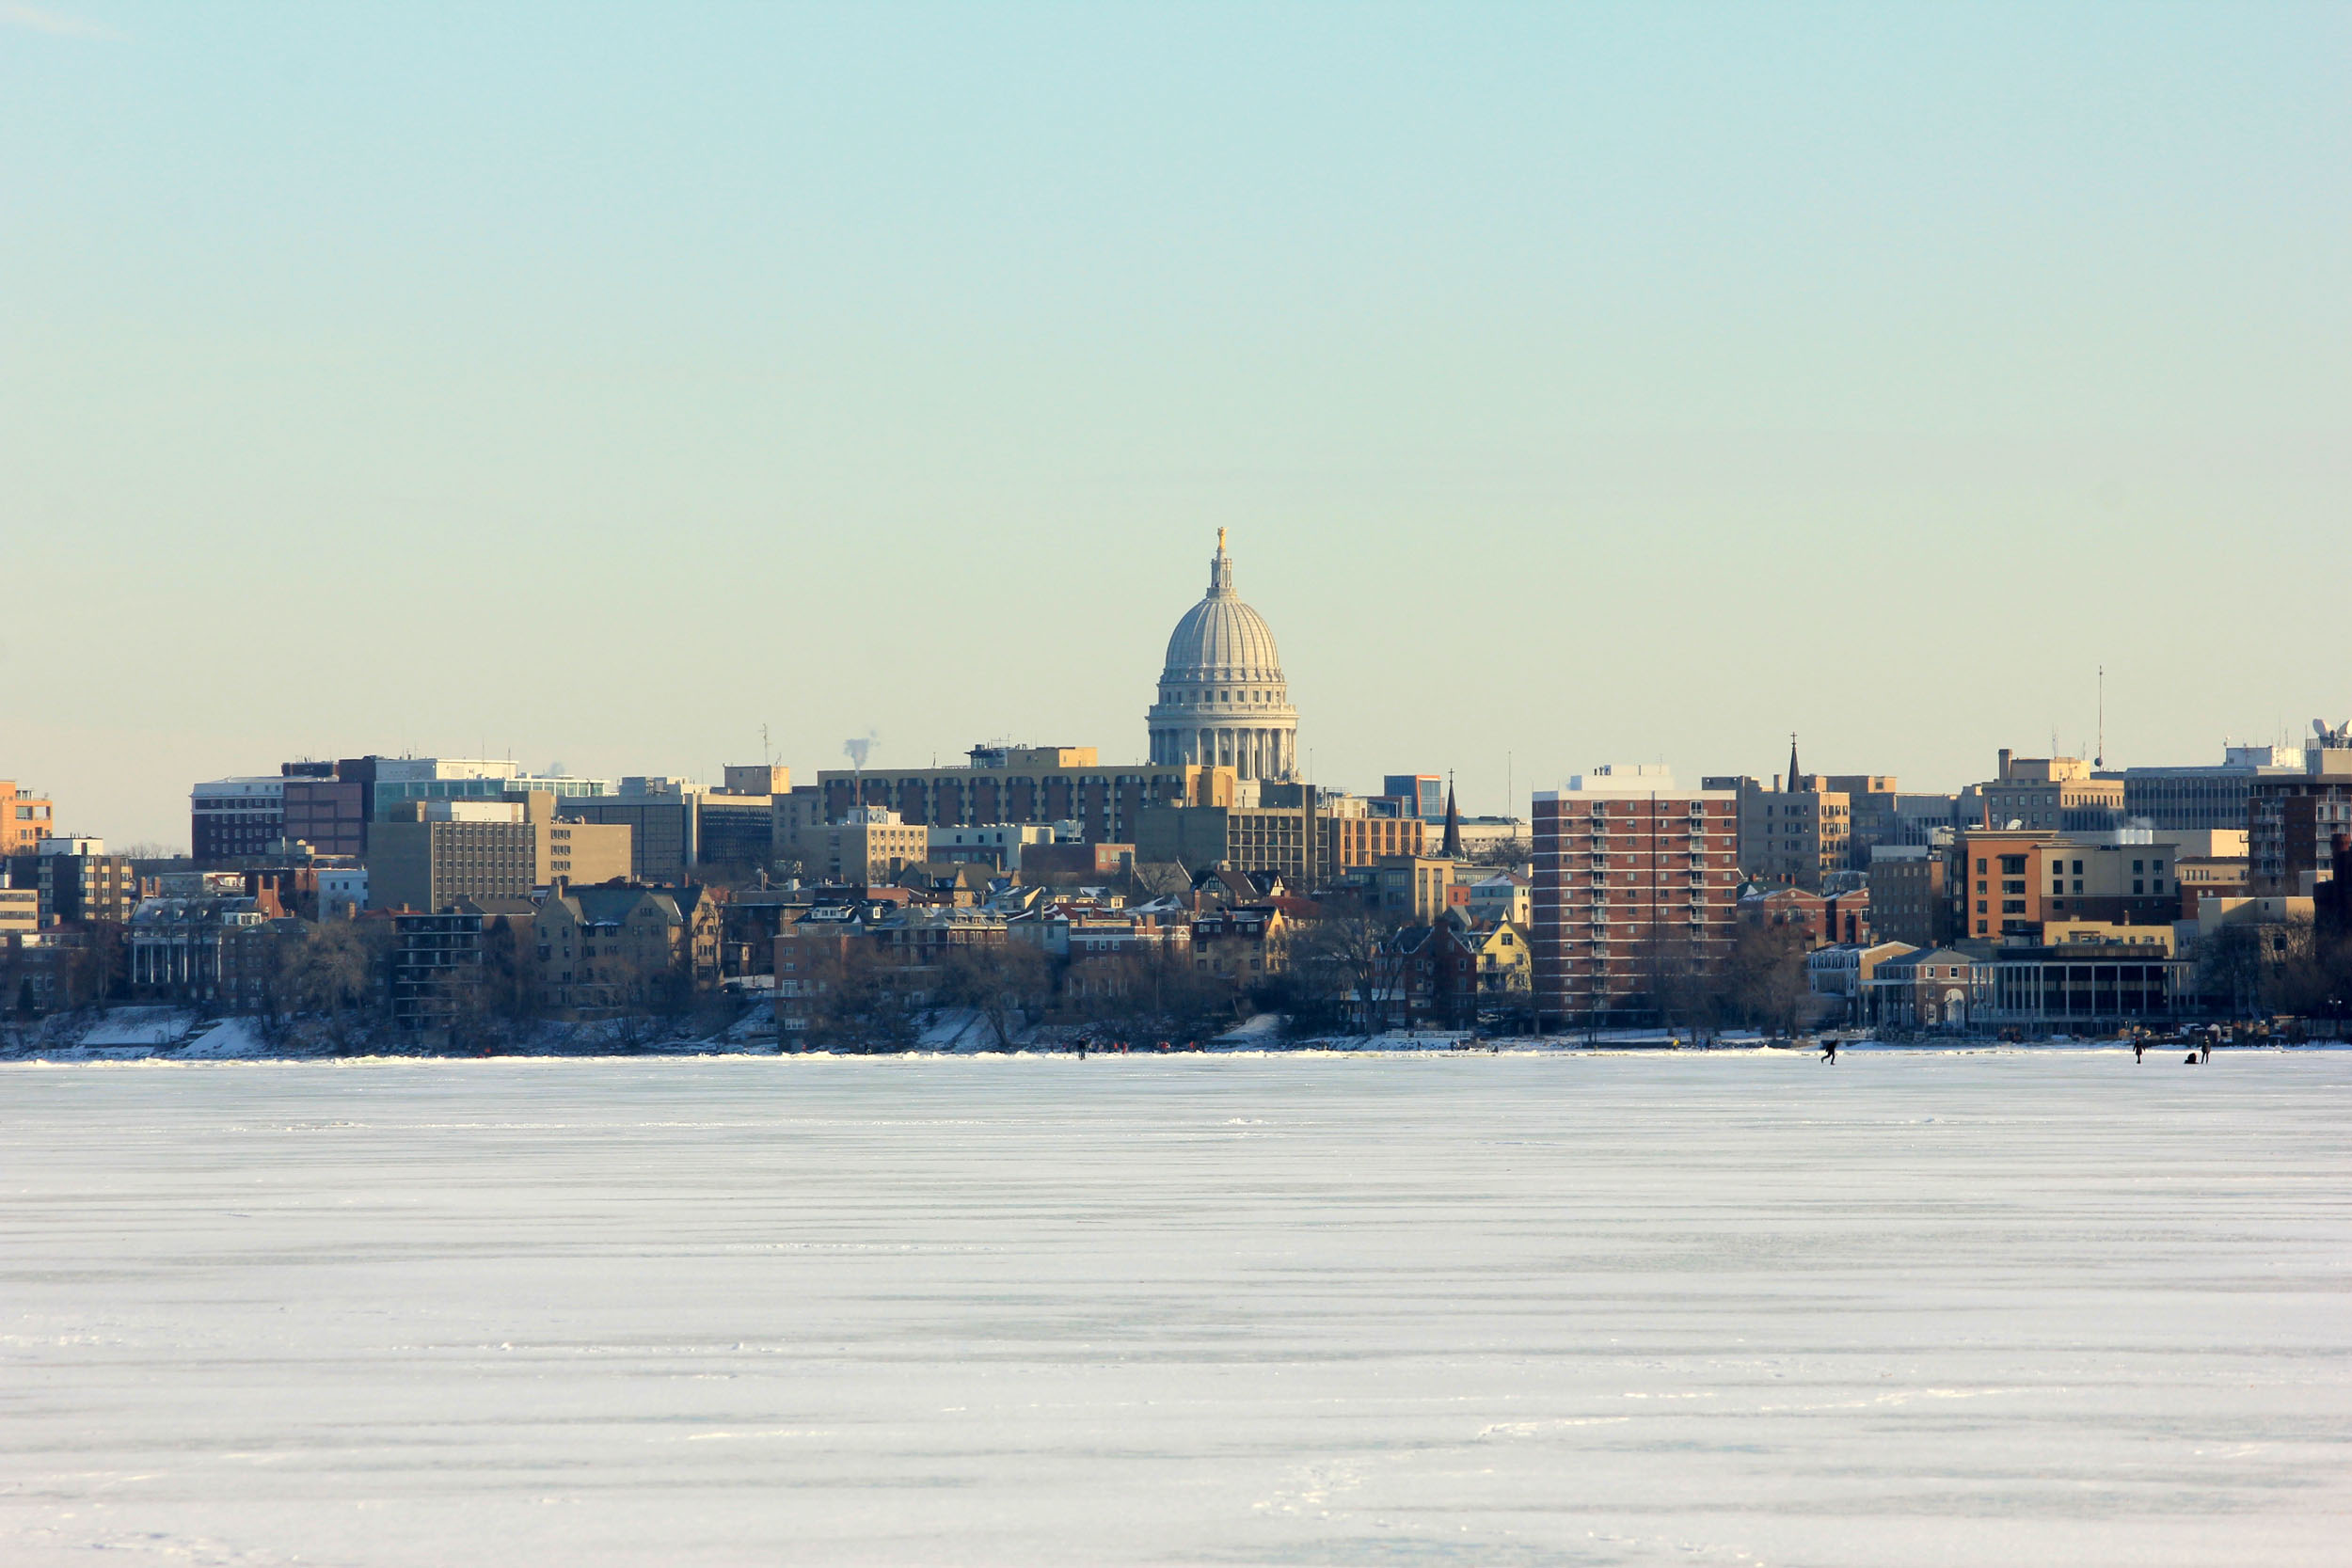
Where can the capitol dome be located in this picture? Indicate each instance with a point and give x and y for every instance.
(1223, 639)
(1222, 700)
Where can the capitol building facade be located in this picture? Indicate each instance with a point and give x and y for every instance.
(1222, 700)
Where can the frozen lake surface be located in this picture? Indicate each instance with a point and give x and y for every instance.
(1729, 1309)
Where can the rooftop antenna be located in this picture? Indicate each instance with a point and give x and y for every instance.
(766, 757)
(2098, 757)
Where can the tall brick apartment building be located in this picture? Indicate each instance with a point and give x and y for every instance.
(1632, 876)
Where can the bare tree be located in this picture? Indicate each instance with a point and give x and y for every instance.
(96, 972)
(1346, 966)
(857, 1001)
(1515, 853)
(510, 973)
(1175, 999)
(1764, 977)
(2317, 981)
(1007, 983)
(1680, 989)
(2229, 967)
(16, 982)
(326, 970)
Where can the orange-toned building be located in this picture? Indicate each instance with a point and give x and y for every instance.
(2013, 881)
(24, 820)
(1353, 841)
(1999, 886)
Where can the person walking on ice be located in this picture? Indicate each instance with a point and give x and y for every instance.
(1829, 1051)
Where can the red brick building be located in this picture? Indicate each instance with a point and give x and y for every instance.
(1634, 879)
(1826, 919)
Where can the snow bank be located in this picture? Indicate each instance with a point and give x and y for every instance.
(120, 1027)
(229, 1039)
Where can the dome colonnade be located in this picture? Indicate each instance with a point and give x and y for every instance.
(1223, 701)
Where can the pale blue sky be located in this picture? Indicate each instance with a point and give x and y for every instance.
(1579, 382)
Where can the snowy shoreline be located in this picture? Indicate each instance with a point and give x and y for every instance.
(160, 1033)
(1376, 1049)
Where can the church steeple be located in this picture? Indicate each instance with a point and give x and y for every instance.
(1451, 848)
(1793, 785)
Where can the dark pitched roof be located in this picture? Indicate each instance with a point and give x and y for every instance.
(522, 908)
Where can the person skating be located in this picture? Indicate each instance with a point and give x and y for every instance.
(2139, 1050)
(1829, 1051)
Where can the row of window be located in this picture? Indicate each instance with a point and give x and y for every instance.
(1180, 700)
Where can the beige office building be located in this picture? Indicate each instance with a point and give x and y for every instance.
(440, 851)
(1287, 840)
(2057, 793)
(1793, 837)
(1027, 783)
(20, 915)
(870, 846)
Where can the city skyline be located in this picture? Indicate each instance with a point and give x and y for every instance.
(1360, 781)
(1762, 368)
(163, 801)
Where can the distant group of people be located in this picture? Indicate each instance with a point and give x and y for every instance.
(1118, 1046)
(2199, 1050)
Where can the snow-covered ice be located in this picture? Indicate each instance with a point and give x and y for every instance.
(1739, 1308)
